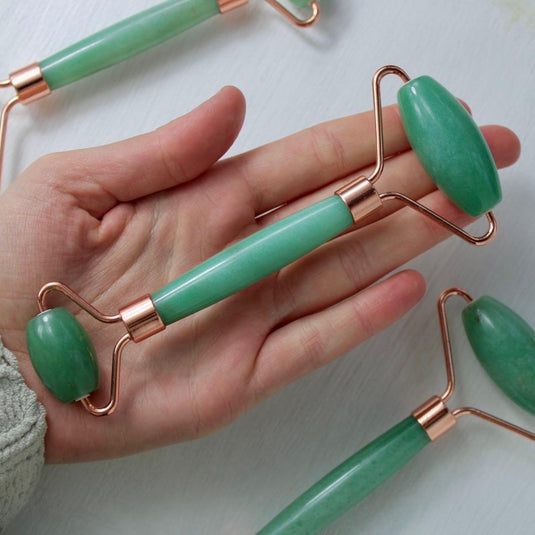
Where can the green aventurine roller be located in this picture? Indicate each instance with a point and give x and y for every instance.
(505, 345)
(120, 42)
(285, 241)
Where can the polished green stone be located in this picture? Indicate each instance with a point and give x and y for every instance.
(62, 354)
(350, 482)
(125, 39)
(449, 145)
(505, 345)
(252, 259)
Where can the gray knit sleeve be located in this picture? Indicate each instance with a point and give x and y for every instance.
(22, 432)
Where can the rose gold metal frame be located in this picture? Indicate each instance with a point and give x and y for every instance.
(433, 415)
(484, 239)
(30, 85)
(294, 19)
(140, 319)
(361, 197)
(228, 5)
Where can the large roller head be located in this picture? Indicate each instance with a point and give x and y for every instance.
(449, 145)
(505, 345)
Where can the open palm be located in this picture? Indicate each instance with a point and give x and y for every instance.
(120, 221)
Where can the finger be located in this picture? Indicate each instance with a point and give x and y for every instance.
(173, 154)
(301, 163)
(354, 261)
(315, 340)
(404, 173)
(503, 143)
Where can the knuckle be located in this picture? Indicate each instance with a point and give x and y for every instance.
(354, 262)
(327, 148)
(364, 321)
(171, 164)
(313, 344)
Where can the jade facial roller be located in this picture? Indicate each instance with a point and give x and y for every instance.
(441, 132)
(504, 344)
(120, 42)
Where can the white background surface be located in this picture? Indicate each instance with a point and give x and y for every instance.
(476, 480)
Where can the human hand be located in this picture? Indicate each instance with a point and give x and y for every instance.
(119, 221)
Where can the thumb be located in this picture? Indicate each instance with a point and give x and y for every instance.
(101, 177)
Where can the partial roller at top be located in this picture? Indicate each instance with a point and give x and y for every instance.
(504, 344)
(450, 145)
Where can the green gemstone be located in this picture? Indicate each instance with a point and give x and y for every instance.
(505, 345)
(62, 354)
(252, 259)
(125, 39)
(350, 482)
(449, 145)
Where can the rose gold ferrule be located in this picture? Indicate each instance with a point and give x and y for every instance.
(360, 197)
(228, 5)
(29, 83)
(141, 319)
(435, 417)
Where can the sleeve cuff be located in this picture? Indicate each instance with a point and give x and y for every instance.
(22, 432)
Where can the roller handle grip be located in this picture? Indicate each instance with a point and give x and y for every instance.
(125, 39)
(252, 259)
(350, 482)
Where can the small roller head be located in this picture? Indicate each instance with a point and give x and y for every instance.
(449, 145)
(62, 354)
(505, 345)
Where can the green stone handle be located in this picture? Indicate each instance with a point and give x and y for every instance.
(252, 259)
(449, 145)
(350, 482)
(125, 39)
(505, 346)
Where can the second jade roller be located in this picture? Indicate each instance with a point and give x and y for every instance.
(444, 137)
(120, 42)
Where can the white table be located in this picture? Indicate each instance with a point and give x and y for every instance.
(476, 480)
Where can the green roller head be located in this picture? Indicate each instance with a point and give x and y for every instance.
(505, 345)
(449, 145)
(62, 354)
